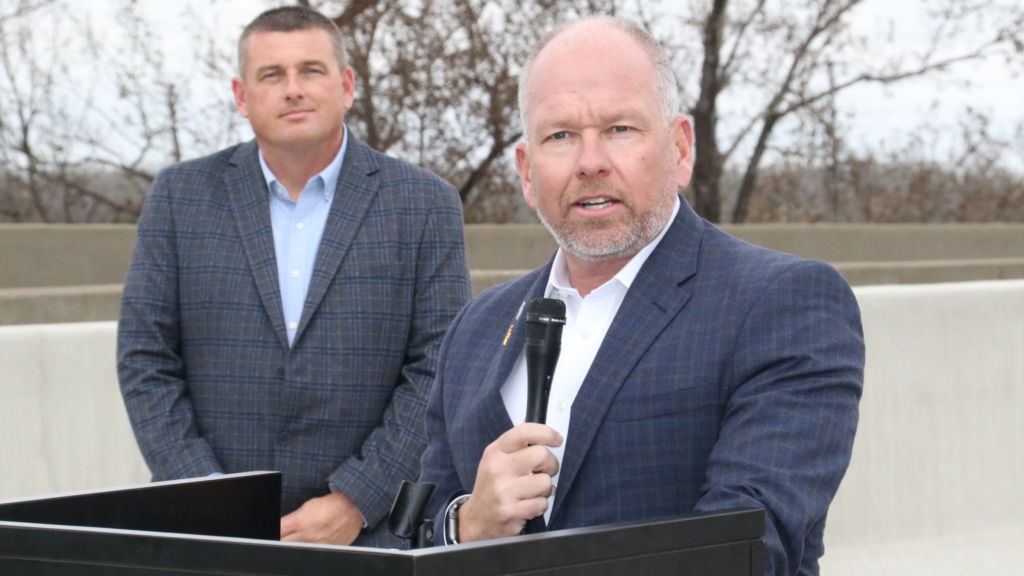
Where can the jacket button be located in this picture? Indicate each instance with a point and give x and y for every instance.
(280, 372)
(283, 438)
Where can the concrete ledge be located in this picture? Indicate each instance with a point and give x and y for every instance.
(102, 302)
(484, 279)
(930, 271)
(886, 242)
(64, 254)
(61, 304)
(527, 246)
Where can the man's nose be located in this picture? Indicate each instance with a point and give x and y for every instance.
(593, 159)
(293, 88)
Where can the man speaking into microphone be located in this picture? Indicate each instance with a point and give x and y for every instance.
(696, 372)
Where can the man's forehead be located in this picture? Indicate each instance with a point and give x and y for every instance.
(590, 106)
(265, 41)
(592, 76)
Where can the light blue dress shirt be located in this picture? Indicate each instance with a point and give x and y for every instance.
(298, 228)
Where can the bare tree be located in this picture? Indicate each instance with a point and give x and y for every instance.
(85, 122)
(790, 57)
(923, 181)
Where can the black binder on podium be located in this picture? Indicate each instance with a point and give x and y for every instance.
(229, 525)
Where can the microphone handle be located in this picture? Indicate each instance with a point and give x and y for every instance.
(539, 371)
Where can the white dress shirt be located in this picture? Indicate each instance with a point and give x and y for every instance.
(586, 323)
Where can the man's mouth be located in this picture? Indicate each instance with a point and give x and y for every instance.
(596, 203)
(296, 113)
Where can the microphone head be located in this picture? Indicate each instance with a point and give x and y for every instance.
(546, 310)
(542, 313)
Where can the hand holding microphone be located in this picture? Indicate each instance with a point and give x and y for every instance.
(513, 480)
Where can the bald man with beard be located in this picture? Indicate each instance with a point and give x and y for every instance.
(697, 372)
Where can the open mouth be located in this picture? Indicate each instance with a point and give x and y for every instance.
(596, 203)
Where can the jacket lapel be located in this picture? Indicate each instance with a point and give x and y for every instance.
(495, 420)
(655, 297)
(250, 203)
(356, 190)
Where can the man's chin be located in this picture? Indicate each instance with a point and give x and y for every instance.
(596, 245)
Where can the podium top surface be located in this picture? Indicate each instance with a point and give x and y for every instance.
(135, 536)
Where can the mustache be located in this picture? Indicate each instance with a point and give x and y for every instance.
(591, 188)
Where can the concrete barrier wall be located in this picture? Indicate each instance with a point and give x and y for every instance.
(47, 305)
(72, 273)
(64, 254)
(75, 254)
(62, 424)
(933, 488)
(935, 483)
(526, 246)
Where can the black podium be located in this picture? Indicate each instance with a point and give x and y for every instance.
(229, 525)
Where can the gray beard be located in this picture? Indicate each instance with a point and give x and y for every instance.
(642, 229)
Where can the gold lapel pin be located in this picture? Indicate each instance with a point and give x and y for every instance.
(512, 325)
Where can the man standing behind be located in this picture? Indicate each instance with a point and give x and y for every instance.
(287, 297)
(697, 372)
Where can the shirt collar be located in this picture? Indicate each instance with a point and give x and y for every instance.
(328, 175)
(558, 279)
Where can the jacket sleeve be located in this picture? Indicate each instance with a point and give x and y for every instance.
(790, 418)
(392, 451)
(149, 362)
(438, 464)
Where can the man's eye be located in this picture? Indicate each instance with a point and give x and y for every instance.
(559, 135)
(620, 129)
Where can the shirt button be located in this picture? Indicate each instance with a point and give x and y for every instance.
(585, 333)
(561, 404)
(293, 326)
(562, 294)
(283, 438)
(299, 226)
(295, 273)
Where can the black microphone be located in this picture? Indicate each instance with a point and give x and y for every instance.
(545, 318)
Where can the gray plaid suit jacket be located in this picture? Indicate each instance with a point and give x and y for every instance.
(730, 377)
(206, 372)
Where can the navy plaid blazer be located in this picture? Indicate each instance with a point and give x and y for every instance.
(206, 372)
(730, 377)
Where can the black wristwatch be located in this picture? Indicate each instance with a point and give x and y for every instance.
(451, 520)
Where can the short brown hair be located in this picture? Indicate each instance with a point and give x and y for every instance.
(291, 19)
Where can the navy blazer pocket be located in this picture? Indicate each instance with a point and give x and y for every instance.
(632, 407)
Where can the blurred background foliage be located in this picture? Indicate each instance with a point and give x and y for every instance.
(91, 110)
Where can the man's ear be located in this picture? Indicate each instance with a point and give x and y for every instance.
(523, 166)
(238, 87)
(682, 141)
(348, 83)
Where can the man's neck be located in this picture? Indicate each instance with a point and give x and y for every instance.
(586, 276)
(294, 167)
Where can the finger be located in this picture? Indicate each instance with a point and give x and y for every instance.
(533, 460)
(531, 508)
(527, 434)
(289, 525)
(526, 488)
